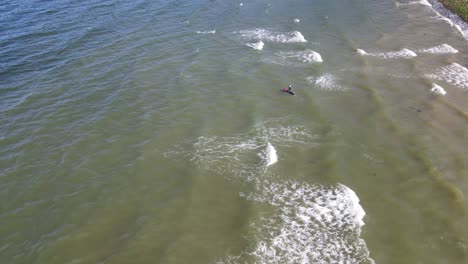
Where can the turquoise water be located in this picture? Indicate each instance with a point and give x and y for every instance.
(157, 132)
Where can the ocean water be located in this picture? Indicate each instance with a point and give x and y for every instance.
(157, 132)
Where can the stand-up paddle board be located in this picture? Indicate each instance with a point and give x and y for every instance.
(286, 90)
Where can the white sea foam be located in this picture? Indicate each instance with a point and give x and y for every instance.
(307, 223)
(246, 156)
(436, 89)
(270, 155)
(440, 17)
(463, 30)
(272, 36)
(327, 82)
(256, 45)
(207, 32)
(442, 13)
(421, 2)
(372, 158)
(441, 49)
(286, 135)
(403, 53)
(295, 58)
(296, 20)
(311, 224)
(454, 20)
(454, 74)
(361, 52)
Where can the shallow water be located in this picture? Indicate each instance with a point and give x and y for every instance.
(156, 132)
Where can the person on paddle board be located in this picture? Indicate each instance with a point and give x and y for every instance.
(288, 90)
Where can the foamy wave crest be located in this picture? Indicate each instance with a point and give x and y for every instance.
(452, 19)
(436, 89)
(454, 74)
(256, 45)
(207, 32)
(238, 156)
(270, 155)
(441, 49)
(442, 18)
(326, 82)
(295, 58)
(421, 2)
(310, 224)
(403, 53)
(245, 156)
(272, 36)
(296, 20)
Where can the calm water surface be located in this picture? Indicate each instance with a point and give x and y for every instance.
(156, 132)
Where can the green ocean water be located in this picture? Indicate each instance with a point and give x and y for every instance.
(157, 132)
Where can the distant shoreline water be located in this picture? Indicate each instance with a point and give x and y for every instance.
(452, 15)
(454, 7)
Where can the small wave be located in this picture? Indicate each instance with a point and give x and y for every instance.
(436, 89)
(446, 15)
(441, 49)
(454, 74)
(295, 58)
(272, 36)
(403, 53)
(244, 156)
(308, 223)
(270, 155)
(207, 32)
(326, 82)
(442, 13)
(256, 45)
(296, 20)
(460, 26)
(421, 2)
(311, 224)
(361, 52)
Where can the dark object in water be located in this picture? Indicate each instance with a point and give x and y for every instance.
(286, 90)
(419, 110)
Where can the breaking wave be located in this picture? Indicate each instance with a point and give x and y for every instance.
(272, 36)
(441, 49)
(295, 58)
(403, 53)
(308, 223)
(454, 74)
(256, 45)
(436, 89)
